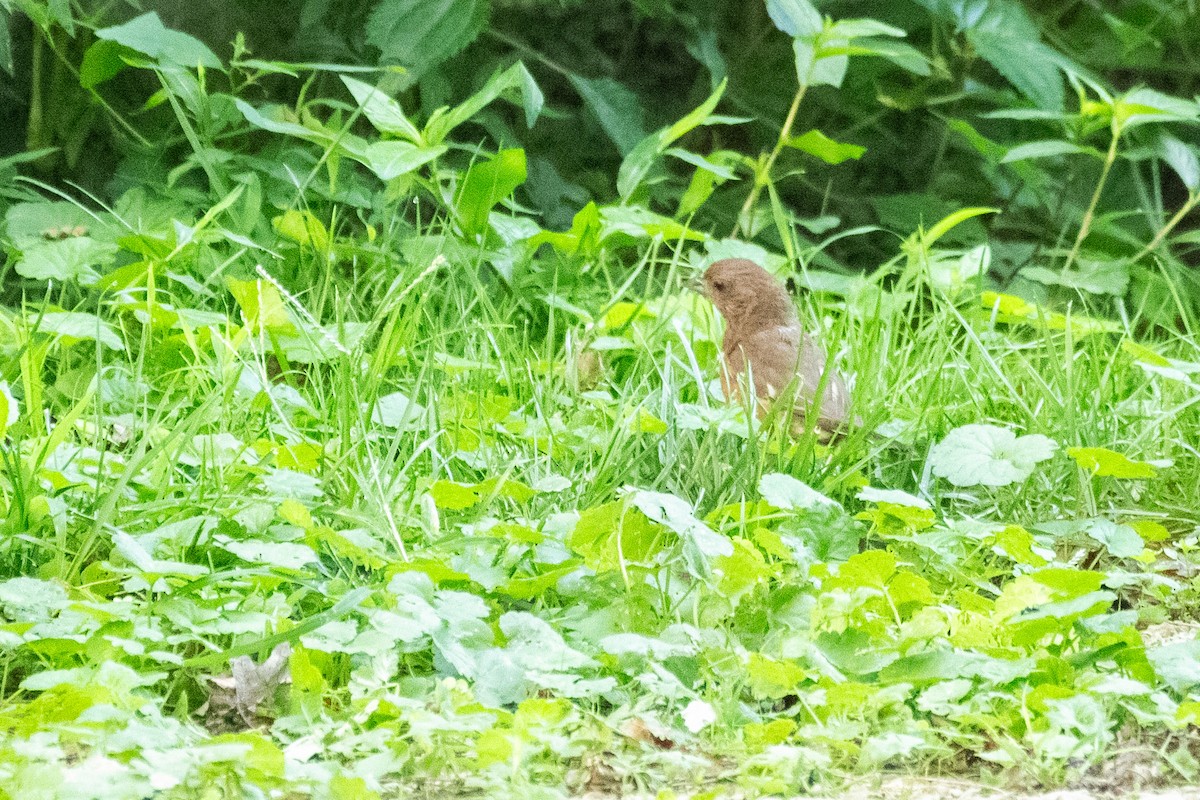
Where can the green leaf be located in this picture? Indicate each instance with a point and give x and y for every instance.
(611, 536)
(616, 107)
(1045, 149)
(270, 121)
(420, 34)
(72, 259)
(987, 455)
(76, 326)
(102, 61)
(486, 184)
(701, 544)
(382, 111)
(640, 159)
(770, 679)
(501, 84)
(391, 159)
(1101, 277)
(1006, 37)
(1106, 463)
(1121, 541)
(6, 58)
(831, 152)
(953, 220)
(1181, 158)
(147, 35)
(791, 494)
(397, 410)
(794, 17)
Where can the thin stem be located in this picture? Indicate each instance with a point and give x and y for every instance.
(1192, 201)
(763, 175)
(1086, 225)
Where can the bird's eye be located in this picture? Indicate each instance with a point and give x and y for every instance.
(719, 286)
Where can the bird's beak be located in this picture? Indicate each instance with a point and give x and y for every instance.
(696, 284)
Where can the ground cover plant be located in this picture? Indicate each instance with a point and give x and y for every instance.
(362, 439)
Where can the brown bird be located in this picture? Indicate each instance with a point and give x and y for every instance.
(762, 334)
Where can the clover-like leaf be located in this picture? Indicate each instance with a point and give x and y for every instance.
(988, 455)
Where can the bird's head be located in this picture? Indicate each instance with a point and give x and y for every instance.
(746, 293)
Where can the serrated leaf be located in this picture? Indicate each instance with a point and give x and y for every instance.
(988, 455)
(420, 34)
(1009, 40)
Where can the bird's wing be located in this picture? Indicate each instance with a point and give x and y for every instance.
(835, 398)
(772, 355)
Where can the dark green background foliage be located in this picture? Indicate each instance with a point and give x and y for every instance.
(613, 70)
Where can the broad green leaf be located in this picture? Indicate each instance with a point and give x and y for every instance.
(382, 111)
(397, 410)
(831, 152)
(270, 121)
(791, 494)
(391, 159)
(1006, 37)
(75, 326)
(302, 227)
(616, 107)
(1181, 158)
(771, 679)
(901, 54)
(102, 61)
(701, 544)
(794, 17)
(286, 555)
(613, 536)
(72, 259)
(261, 304)
(420, 34)
(1121, 541)
(147, 35)
(641, 223)
(486, 184)
(987, 455)
(1107, 463)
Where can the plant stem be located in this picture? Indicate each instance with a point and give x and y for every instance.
(1192, 201)
(763, 176)
(1086, 225)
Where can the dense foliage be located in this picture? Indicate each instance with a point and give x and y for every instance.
(361, 439)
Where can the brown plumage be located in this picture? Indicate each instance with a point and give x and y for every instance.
(762, 332)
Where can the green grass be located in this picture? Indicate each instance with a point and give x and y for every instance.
(200, 494)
